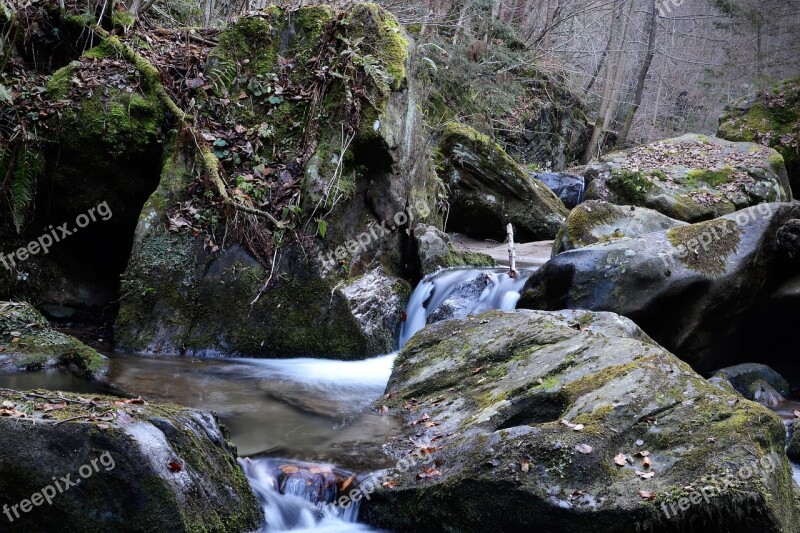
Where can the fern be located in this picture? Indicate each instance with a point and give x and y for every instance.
(23, 184)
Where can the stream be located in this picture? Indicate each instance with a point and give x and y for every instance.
(291, 410)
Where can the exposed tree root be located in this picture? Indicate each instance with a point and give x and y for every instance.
(152, 80)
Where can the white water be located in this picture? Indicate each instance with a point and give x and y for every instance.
(501, 292)
(297, 506)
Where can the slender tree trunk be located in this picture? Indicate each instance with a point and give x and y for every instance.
(648, 60)
(607, 83)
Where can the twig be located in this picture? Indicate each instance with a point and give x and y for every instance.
(512, 252)
(72, 419)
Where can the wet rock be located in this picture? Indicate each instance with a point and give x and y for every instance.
(756, 382)
(377, 302)
(690, 178)
(569, 188)
(134, 467)
(597, 221)
(28, 342)
(789, 238)
(522, 429)
(703, 291)
(436, 251)
(489, 190)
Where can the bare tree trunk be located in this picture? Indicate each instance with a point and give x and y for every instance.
(594, 142)
(648, 60)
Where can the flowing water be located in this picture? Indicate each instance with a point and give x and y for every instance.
(298, 411)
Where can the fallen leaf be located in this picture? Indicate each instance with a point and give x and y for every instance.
(645, 475)
(390, 484)
(428, 472)
(646, 462)
(174, 466)
(619, 459)
(647, 494)
(8, 405)
(289, 469)
(320, 470)
(346, 483)
(384, 409)
(55, 406)
(583, 448)
(642, 453)
(525, 466)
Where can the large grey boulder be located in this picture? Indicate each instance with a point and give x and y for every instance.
(572, 421)
(208, 281)
(597, 221)
(113, 465)
(690, 178)
(700, 290)
(489, 190)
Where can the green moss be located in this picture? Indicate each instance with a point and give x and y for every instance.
(713, 178)
(391, 46)
(721, 238)
(631, 186)
(59, 83)
(577, 388)
(102, 51)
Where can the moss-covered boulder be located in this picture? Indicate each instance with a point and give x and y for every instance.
(598, 221)
(436, 251)
(97, 162)
(704, 291)
(118, 465)
(690, 178)
(572, 421)
(771, 118)
(489, 190)
(756, 382)
(27, 342)
(330, 141)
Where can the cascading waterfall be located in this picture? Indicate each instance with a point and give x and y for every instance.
(299, 503)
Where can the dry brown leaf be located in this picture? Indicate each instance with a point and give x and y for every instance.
(525, 466)
(619, 459)
(647, 494)
(645, 475)
(646, 462)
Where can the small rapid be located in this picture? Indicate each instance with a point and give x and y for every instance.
(302, 501)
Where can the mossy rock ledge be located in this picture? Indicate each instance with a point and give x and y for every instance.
(523, 415)
(690, 178)
(180, 296)
(29, 343)
(771, 118)
(704, 291)
(135, 466)
(597, 221)
(489, 189)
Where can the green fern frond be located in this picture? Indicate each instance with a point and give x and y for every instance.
(29, 166)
